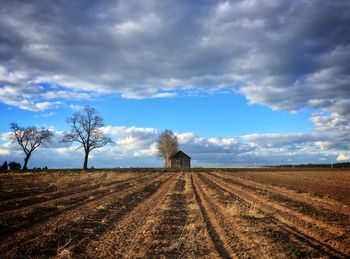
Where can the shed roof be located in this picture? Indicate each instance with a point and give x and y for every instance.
(179, 154)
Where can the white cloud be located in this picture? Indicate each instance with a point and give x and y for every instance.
(289, 55)
(4, 152)
(136, 146)
(76, 107)
(22, 96)
(278, 140)
(343, 157)
(145, 50)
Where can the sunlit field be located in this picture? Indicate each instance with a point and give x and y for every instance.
(209, 214)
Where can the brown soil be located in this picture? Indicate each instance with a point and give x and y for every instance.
(174, 215)
(325, 184)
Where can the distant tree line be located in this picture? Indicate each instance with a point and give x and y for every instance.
(10, 166)
(329, 165)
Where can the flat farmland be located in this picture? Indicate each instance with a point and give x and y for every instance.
(211, 214)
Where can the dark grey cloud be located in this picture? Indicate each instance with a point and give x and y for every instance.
(137, 48)
(289, 55)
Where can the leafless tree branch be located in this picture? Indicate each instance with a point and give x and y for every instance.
(85, 129)
(30, 138)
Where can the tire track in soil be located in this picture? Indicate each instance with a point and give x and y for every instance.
(309, 208)
(300, 230)
(114, 213)
(233, 238)
(241, 223)
(12, 222)
(45, 238)
(322, 203)
(213, 233)
(202, 242)
(262, 235)
(180, 231)
(19, 203)
(7, 196)
(9, 188)
(31, 187)
(166, 237)
(186, 240)
(127, 238)
(339, 237)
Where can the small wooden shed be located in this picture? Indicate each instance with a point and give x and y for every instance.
(180, 161)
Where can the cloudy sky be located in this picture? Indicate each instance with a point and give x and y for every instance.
(244, 82)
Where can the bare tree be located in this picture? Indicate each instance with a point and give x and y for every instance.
(167, 146)
(85, 129)
(30, 138)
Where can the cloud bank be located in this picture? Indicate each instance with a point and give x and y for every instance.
(266, 50)
(136, 147)
(288, 55)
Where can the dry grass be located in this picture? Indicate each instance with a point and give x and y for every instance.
(243, 221)
(62, 250)
(65, 180)
(233, 209)
(334, 184)
(254, 211)
(189, 238)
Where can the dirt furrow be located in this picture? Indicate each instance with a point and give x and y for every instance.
(310, 230)
(334, 212)
(180, 231)
(258, 230)
(42, 198)
(128, 237)
(167, 237)
(104, 221)
(168, 224)
(261, 238)
(24, 218)
(212, 225)
(287, 205)
(229, 242)
(32, 184)
(200, 233)
(48, 237)
(13, 194)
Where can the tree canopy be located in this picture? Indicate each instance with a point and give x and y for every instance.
(167, 146)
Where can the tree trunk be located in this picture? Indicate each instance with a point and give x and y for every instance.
(26, 159)
(167, 163)
(86, 158)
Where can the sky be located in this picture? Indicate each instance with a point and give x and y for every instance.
(240, 83)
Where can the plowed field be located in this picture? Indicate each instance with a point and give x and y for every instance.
(175, 215)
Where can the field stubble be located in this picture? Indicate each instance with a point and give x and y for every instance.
(175, 215)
